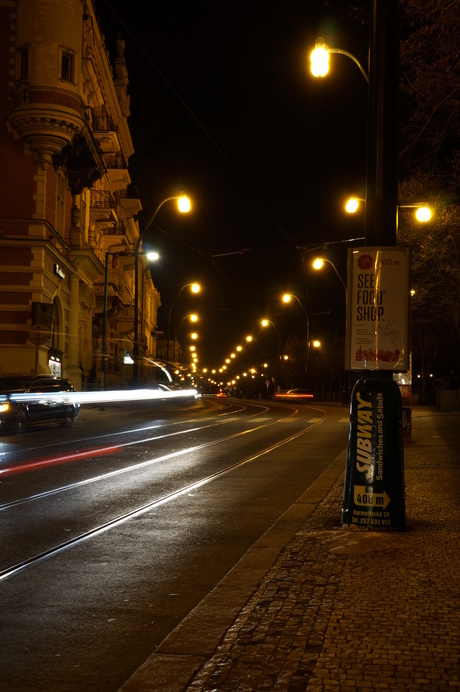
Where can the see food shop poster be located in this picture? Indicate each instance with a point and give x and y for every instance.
(378, 309)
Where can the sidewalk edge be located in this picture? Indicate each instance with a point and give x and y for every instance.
(193, 641)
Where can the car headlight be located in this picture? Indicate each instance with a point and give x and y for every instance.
(4, 408)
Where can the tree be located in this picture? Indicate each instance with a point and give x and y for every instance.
(327, 368)
(435, 280)
(429, 172)
(294, 368)
(430, 90)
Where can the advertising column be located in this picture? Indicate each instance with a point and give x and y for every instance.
(377, 346)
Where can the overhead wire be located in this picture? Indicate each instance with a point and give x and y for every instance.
(200, 124)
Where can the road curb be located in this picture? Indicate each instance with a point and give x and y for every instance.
(186, 649)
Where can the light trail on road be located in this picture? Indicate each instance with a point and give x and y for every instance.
(94, 531)
(76, 456)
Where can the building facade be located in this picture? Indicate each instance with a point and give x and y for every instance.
(67, 213)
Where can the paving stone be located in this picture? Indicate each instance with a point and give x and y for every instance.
(358, 610)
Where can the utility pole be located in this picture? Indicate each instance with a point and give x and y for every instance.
(378, 285)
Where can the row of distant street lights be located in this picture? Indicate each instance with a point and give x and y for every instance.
(317, 264)
(265, 322)
(319, 65)
(184, 206)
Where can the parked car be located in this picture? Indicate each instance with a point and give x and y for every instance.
(299, 395)
(16, 415)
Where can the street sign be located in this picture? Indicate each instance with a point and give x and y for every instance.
(39, 334)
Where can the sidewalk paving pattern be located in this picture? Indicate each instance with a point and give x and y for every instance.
(341, 608)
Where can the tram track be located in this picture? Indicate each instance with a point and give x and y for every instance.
(10, 470)
(52, 551)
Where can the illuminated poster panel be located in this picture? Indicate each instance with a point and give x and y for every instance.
(378, 309)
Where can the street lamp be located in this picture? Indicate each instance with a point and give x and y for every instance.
(184, 207)
(122, 252)
(265, 322)
(255, 372)
(318, 264)
(250, 339)
(192, 348)
(379, 391)
(193, 318)
(287, 297)
(319, 59)
(423, 212)
(195, 288)
(353, 203)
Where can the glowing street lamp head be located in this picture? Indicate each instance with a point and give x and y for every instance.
(318, 263)
(352, 205)
(287, 298)
(319, 59)
(423, 214)
(184, 204)
(195, 288)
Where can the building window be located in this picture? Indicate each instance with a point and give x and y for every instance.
(67, 66)
(55, 327)
(23, 63)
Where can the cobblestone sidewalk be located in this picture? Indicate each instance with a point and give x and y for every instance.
(346, 609)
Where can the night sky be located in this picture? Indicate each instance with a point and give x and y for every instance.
(224, 108)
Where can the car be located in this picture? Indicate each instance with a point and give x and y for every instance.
(299, 395)
(40, 407)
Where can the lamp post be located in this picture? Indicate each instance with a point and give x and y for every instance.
(192, 317)
(104, 326)
(153, 256)
(319, 59)
(374, 489)
(382, 117)
(287, 297)
(265, 322)
(184, 207)
(318, 264)
(250, 339)
(195, 288)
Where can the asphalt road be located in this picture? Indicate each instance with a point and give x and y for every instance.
(114, 530)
